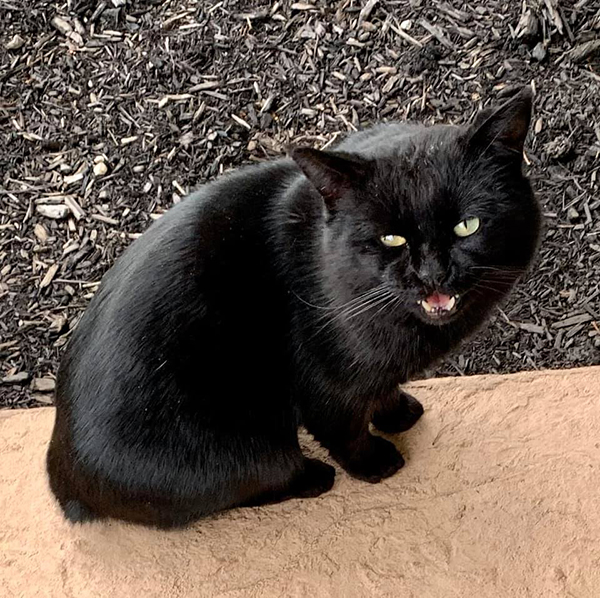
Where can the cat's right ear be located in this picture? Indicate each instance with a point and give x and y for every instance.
(332, 174)
(507, 124)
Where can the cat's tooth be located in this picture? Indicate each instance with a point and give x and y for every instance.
(428, 308)
(451, 303)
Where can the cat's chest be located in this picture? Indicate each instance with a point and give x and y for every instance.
(398, 351)
(378, 355)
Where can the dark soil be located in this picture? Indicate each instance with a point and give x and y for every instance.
(112, 112)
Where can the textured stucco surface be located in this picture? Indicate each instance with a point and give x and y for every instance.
(500, 497)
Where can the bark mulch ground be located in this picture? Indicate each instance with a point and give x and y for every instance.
(111, 110)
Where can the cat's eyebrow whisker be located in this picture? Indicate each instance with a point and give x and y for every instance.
(490, 282)
(491, 288)
(483, 287)
(474, 290)
(496, 280)
(501, 275)
(498, 269)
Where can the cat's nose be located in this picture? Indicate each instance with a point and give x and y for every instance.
(431, 273)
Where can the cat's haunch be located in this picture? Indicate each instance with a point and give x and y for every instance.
(299, 292)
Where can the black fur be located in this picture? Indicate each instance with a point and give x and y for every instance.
(249, 310)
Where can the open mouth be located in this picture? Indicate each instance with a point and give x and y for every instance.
(437, 305)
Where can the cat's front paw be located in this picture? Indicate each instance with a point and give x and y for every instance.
(379, 459)
(398, 414)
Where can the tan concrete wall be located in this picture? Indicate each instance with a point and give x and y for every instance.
(500, 497)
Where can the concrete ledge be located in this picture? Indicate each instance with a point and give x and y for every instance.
(500, 497)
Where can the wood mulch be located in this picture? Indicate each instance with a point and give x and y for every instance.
(111, 110)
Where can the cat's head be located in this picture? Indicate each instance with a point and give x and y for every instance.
(440, 217)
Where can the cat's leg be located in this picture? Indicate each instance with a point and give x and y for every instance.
(271, 478)
(275, 480)
(315, 478)
(396, 412)
(344, 431)
(311, 479)
(370, 458)
(265, 469)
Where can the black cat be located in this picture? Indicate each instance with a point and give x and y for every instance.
(298, 292)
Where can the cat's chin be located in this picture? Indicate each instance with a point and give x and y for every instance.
(437, 319)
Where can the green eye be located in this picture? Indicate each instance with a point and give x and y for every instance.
(467, 227)
(393, 240)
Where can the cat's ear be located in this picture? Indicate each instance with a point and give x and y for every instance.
(332, 173)
(508, 124)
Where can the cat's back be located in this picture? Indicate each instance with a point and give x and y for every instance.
(174, 283)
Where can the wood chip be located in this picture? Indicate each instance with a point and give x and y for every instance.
(105, 219)
(16, 42)
(405, 36)
(39, 230)
(18, 378)
(61, 25)
(241, 121)
(56, 212)
(206, 85)
(49, 276)
(58, 324)
(573, 321)
(535, 328)
(42, 397)
(43, 384)
(100, 169)
(75, 208)
(74, 178)
(584, 50)
(552, 5)
(366, 10)
(437, 33)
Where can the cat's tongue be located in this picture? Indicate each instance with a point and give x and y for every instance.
(438, 303)
(441, 301)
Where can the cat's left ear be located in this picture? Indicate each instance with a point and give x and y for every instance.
(333, 174)
(508, 124)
